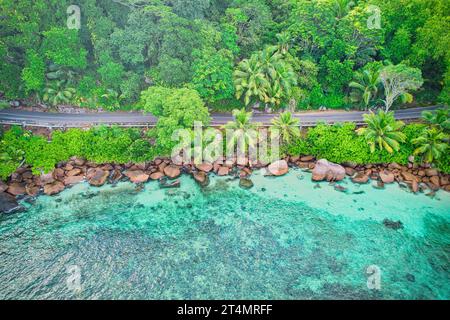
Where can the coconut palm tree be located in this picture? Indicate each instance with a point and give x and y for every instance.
(266, 77)
(249, 80)
(342, 7)
(431, 144)
(287, 127)
(438, 119)
(57, 93)
(244, 130)
(284, 42)
(382, 131)
(365, 87)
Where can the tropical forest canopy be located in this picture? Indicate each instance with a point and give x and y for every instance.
(295, 54)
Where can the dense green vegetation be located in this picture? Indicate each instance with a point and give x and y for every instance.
(295, 54)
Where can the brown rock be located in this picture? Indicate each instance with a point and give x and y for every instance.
(409, 176)
(303, 165)
(27, 175)
(47, 178)
(393, 166)
(278, 168)
(447, 188)
(16, 189)
(445, 180)
(107, 167)
(327, 170)
(156, 175)
(294, 159)
(307, 159)
(32, 190)
(205, 167)
(58, 173)
(360, 178)
(116, 176)
(73, 172)
(138, 166)
(16, 177)
(387, 177)
(162, 166)
(97, 177)
(435, 180)
(54, 188)
(172, 171)
(79, 162)
(223, 171)
(421, 173)
(431, 172)
(71, 180)
(201, 178)
(415, 186)
(350, 171)
(68, 167)
(137, 176)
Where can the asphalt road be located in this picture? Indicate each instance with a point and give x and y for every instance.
(133, 119)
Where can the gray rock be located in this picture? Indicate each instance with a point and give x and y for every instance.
(8, 204)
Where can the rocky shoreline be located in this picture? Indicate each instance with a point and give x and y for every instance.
(23, 183)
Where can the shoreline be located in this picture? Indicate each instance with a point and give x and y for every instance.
(22, 183)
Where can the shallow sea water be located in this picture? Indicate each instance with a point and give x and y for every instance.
(286, 238)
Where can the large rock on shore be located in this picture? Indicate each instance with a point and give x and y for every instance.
(71, 180)
(409, 176)
(137, 176)
(223, 171)
(73, 172)
(205, 167)
(172, 171)
(97, 177)
(54, 188)
(201, 178)
(387, 176)
(325, 170)
(156, 175)
(8, 204)
(278, 168)
(360, 178)
(46, 178)
(16, 189)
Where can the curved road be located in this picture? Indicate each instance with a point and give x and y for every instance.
(136, 119)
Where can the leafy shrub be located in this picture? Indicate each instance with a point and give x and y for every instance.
(100, 144)
(340, 143)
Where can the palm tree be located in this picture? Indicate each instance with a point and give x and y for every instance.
(383, 131)
(342, 7)
(284, 41)
(266, 76)
(365, 86)
(431, 144)
(244, 129)
(58, 93)
(249, 80)
(287, 127)
(438, 119)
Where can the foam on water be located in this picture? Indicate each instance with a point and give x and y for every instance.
(283, 239)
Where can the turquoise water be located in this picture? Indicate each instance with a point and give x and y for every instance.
(284, 239)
